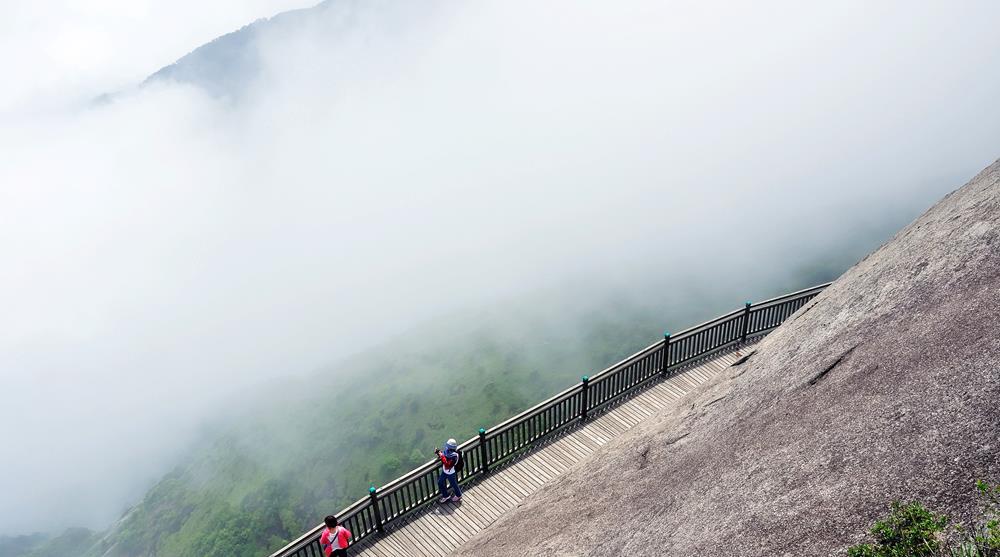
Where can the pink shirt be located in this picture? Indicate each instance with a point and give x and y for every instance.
(340, 536)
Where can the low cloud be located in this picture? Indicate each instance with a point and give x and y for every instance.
(63, 52)
(389, 164)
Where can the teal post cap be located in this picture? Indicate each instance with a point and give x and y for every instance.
(585, 378)
(482, 430)
(747, 303)
(666, 333)
(371, 489)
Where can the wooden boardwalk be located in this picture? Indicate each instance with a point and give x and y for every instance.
(442, 528)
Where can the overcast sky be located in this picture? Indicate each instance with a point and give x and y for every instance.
(167, 250)
(58, 51)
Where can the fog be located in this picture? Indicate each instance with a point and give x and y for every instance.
(63, 51)
(393, 163)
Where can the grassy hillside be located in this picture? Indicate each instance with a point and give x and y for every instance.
(282, 458)
(314, 445)
(13, 546)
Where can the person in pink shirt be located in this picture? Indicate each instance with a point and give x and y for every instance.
(335, 539)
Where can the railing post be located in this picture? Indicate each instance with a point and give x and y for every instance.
(666, 354)
(484, 454)
(375, 509)
(583, 397)
(746, 322)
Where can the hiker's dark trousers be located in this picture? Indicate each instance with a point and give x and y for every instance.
(444, 480)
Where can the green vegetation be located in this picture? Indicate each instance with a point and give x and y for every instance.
(67, 543)
(276, 461)
(911, 530)
(15, 546)
(284, 458)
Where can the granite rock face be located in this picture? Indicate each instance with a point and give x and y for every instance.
(886, 386)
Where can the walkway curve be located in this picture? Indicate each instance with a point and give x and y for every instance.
(521, 452)
(441, 529)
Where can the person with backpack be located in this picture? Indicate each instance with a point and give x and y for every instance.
(335, 538)
(451, 464)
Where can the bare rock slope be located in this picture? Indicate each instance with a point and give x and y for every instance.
(886, 386)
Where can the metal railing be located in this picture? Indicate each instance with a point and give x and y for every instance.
(404, 495)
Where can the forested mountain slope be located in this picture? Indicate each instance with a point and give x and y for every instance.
(277, 460)
(228, 66)
(312, 446)
(883, 388)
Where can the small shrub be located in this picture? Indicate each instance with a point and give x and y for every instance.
(910, 530)
(984, 539)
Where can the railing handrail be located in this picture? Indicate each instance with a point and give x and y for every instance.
(566, 393)
(720, 323)
(789, 296)
(517, 418)
(690, 331)
(308, 536)
(419, 470)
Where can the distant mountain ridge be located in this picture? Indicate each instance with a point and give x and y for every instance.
(227, 66)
